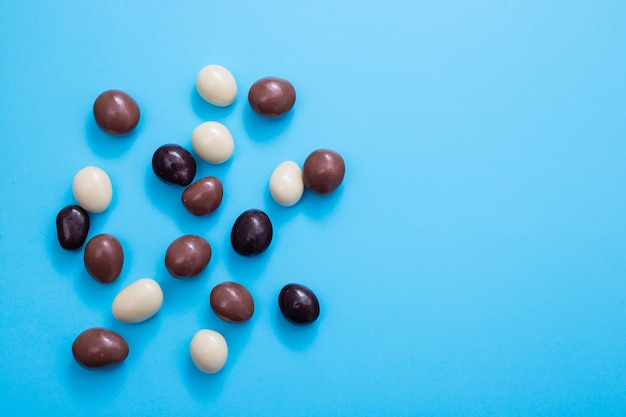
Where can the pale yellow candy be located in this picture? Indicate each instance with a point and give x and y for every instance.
(92, 189)
(216, 85)
(212, 142)
(138, 302)
(209, 351)
(286, 183)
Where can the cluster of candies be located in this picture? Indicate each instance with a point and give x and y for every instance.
(117, 113)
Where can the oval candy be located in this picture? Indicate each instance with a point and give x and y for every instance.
(216, 85)
(92, 189)
(286, 184)
(116, 112)
(138, 301)
(323, 171)
(212, 142)
(209, 351)
(72, 227)
(271, 97)
(298, 304)
(187, 256)
(252, 233)
(104, 258)
(174, 164)
(203, 196)
(232, 302)
(98, 348)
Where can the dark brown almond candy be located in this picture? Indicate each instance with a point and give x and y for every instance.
(116, 112)
(298, 304)
(104, 258)
(203, 196)
(174, 164)
(187, 256)
(232, 302)
(323, 171)
(72, 227)
(271, 96)
(97, 348)
(252, 233)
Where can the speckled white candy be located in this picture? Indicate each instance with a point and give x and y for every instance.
(209, 351)
(286, 184)
(212, 142)
(216, 85)
(138, 302)
(92, 189)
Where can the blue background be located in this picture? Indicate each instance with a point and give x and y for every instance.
(472, 263)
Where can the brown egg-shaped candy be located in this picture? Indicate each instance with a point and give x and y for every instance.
(174, 164)
(203, 196)
(298, 304)
(104, 258)
(252, 233)
(323, 171)
(116, 112)
(271, 96)
(187, 256)
(97, 348)
(232, 302)
(72, 227)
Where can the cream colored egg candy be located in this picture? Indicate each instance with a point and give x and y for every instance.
(216, 85)
(209, 351)
(213, 142)
(92, 189)
(138, 301)
(286, 184)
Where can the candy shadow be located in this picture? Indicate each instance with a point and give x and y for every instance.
(166, 197)
(63, 261)
(137, 335)
(109, 146)
(207, 111)
(244, 268)
(203, 387)
(93, 293)
(180, 295)
(89, 385)
(236, 334)
(278, 214)
(206, 169)
(319, 206)
(297, 337)
(262, 129)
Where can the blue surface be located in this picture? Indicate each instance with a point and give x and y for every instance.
(473, 262)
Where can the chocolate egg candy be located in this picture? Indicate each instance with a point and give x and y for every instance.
(209, 351)
(174, 165)
(216, 85)
(271, 96)
(203, 196)
(97, 348)
(286, 184)
(298, 304)
(212, 142)
(72, 227)
(92, 189)
(323, 171)
(138, 301)
(252, 233)
(232, 302)
(116, 112)
(187, 256)
(104, 258)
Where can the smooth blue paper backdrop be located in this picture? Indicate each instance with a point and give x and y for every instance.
(473, 262)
